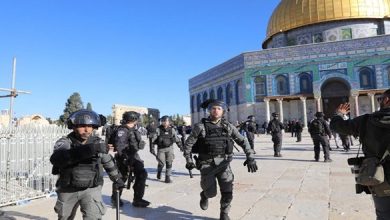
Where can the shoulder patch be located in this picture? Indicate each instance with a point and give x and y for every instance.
(62, 143)
(120, 133)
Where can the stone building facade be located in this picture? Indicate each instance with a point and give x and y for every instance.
(118, 110)
(308, 64)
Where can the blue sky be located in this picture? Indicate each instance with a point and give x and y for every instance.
(129, 52)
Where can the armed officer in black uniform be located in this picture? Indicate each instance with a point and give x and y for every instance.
(164, 138)
(319, 132)
(151, 132)
(79, 159)
(275, 127)
(212, 140)
(374, 133)
(127, 144)
(250, 129)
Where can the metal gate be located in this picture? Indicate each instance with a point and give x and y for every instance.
(25, 168)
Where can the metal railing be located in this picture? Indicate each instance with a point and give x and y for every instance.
(25, 168)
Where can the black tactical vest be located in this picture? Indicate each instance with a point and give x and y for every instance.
(165, 139)
(86, 174)
(217, 140)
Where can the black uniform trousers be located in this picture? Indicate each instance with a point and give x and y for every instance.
(277, 139)
(324, 142)
(251, 139)
(139, 171)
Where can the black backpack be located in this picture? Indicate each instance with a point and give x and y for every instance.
(111, 133)
(317, 127)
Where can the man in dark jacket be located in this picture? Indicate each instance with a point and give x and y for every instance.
(298, 128)
(250, 129)
(374, 133)
(275, 127)
(78, 159)
(319, 132)
(127, 143)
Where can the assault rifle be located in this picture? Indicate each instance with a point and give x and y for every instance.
(158, 159)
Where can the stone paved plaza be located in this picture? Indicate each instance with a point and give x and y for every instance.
(291, 187)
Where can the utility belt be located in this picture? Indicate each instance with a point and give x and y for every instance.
(205, 157)
(162, 147)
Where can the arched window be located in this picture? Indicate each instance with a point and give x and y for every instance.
(204, 96)
(229, 95)
(260, 88)
(281, 85)
(198, 102)
(212, 94)
(238, 91)
(192, 104)
(220, 94)
(305, 83)
(367, 80)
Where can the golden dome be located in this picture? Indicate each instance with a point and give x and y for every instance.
(291, 14)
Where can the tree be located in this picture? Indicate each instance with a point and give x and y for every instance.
(73, 104)
(110, 119)
(89, 106)
(146, 119)
(178, 120)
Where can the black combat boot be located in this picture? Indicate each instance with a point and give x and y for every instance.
(168, 179)
(224, 216)
(204, 201)
(140, 203)
(159, 174)
(113, 201)
(328, 160)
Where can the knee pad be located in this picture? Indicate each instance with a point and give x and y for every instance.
(226, 197)
(169, 165)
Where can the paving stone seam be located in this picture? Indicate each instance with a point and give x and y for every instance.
(299, 190)
(263, 195)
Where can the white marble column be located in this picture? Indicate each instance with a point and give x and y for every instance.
(356, 104)
(280, 102)
(318, 103)
(372, 101)
(303, 99)
(267, 110)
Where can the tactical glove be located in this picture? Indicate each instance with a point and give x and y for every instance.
(119, 184)
(251, 165)
(141, 145)
(190, 165)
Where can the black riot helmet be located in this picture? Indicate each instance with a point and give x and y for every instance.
(319, 114)
(83, 117)
(165, 118)
(130, 116)
(251, 117)
(275, 114)
(213, 102)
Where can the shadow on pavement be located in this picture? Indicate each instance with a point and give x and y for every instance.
(161, 212)
(10, 215)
